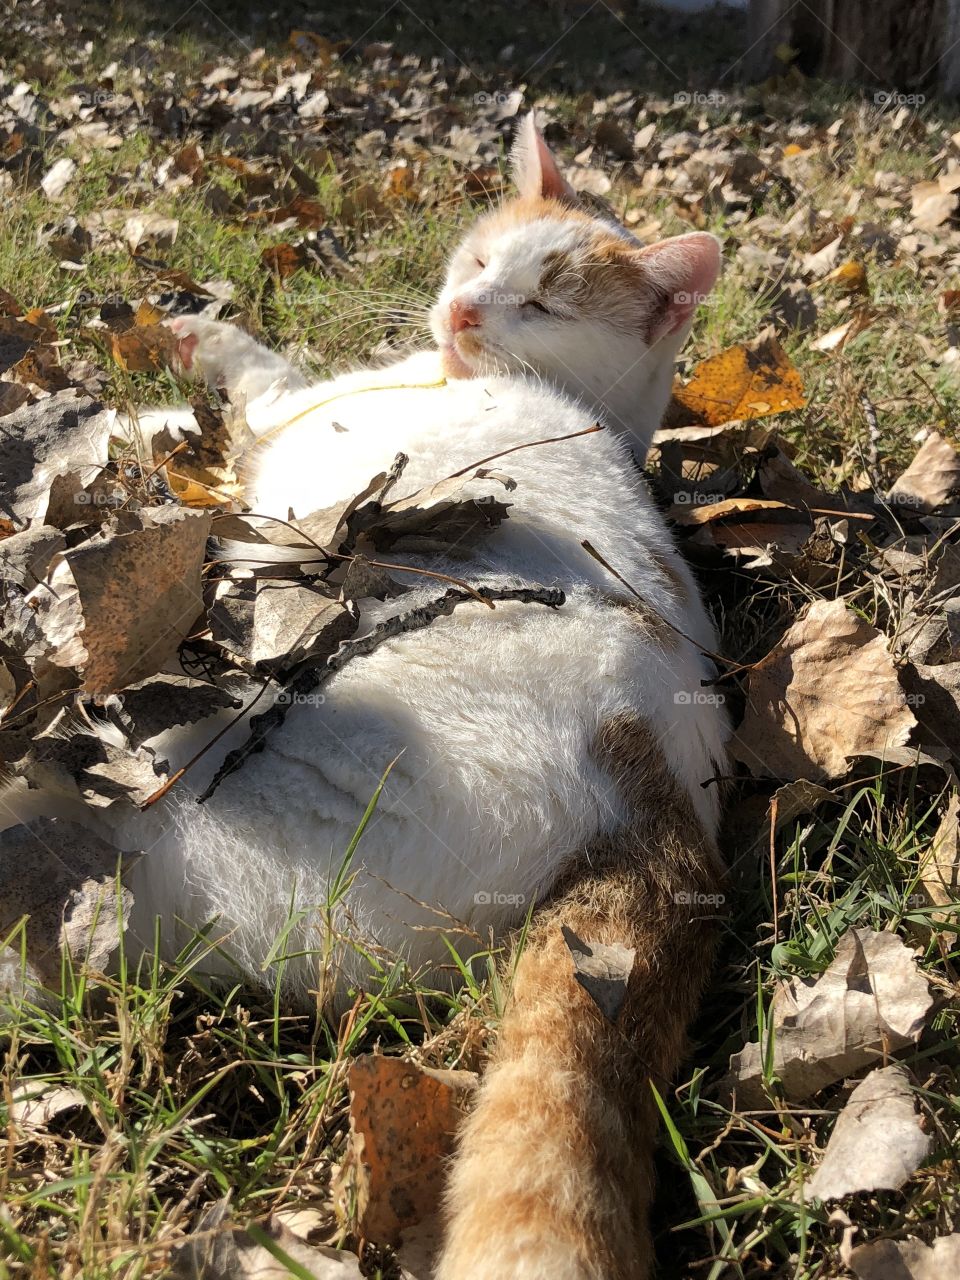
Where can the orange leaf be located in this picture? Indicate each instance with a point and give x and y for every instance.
(402, 1124)
(749, 380)
(144, 348)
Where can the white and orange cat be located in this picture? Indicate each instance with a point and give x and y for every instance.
(554, 759)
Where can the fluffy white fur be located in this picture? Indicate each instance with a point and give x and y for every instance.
(491, 715)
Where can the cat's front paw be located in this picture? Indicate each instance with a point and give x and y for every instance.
(208, 348)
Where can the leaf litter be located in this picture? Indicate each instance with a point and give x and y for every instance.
(860, 558)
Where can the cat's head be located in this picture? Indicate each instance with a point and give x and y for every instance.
(542, 283)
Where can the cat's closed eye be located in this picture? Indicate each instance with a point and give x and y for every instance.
(536, 305)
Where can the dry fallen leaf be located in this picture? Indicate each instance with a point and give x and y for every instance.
(931, 205)
(277, 623)
(749, 380)
(150, 229)
(36, 1103)
(402, 1124)
(63, 437)
(850, 276)
(265, 1249)
(907, 1259)
(837, 338)
(931, 478)
(758, 531)
(827, 692)
(144, 348)
(603, 970)
(63, 878)
(877, 1142)
(871, 1001)
(118, 605)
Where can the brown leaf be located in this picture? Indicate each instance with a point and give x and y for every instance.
(940, 867)
(441, 518)
(907, 1259)
(118, 605)
(931, 205)
(277, 623)
(283, 259)
(36, 1103)
(850, 277)
(266, 1249)
(749, 380)
(758, 531)
(877, 1142)
(63, 877)
(827, 692)
(931, 478)
(144, 349)
(871, 1001)
(64, 437)
(402, 1124)
(603, 970)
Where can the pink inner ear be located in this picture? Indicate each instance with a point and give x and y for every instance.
(685, 269)
(535, 169)
(185, 349)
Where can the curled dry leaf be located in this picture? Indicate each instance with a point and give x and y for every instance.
(63, 878)
(931, 478)
(118, 605)
(266, 1249)
(877, 1142)
(603, 970)
(871, 1001)
(279, 622)
(749, 380)
(907, 1259)
(758, 531)
(402, 1124)
(61, 438)
(826, 693)
(35, 1103)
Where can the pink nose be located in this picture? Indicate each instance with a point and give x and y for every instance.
(463, 315)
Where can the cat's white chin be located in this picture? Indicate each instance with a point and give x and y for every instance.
(454, 365)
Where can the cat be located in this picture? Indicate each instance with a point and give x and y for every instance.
(554, 759)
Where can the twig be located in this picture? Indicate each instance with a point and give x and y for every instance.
(310, 677)
(716, 657)
(530, 444)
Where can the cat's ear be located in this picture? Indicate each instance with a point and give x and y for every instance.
(536, 174)
(682, 271)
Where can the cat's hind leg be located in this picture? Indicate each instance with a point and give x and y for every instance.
(554, 1175)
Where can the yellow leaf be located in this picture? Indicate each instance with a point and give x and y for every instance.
(750, 380)
(851, 276)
